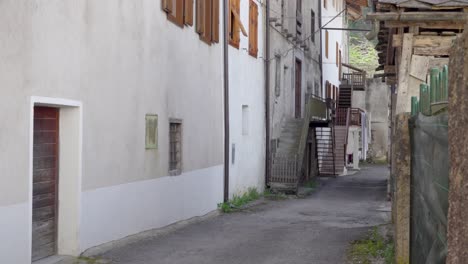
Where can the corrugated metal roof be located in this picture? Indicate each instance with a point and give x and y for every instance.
(426, 3)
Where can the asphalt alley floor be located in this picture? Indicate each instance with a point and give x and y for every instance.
(312, 230)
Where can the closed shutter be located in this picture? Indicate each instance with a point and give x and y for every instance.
(253, 29)
(326, 44)
(337, 54)
(188, 12)
(200, 27)
(206, 36)
(215, 21)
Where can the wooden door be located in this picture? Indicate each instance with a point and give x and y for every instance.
(45, 171)
(298, 93)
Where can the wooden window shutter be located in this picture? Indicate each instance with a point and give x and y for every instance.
(326, 43)
(337, 54)
(200, 26)
(206, 36)
(253, 29)
(177, 14)
(188, 12)
(215, 21)
(325, 4)
(235, 25)
(167, 5)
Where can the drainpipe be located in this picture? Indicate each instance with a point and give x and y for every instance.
(321, 46)
(226, 98)
(267, 92)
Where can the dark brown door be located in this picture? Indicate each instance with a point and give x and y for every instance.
(45, 170)
(298, 95)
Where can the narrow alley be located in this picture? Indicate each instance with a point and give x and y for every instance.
(317, 229)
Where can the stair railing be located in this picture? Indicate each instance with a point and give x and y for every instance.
(304, 135)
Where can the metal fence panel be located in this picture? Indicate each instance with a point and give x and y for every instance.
(429, 188)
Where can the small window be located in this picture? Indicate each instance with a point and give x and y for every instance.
(151, 138)
(245, 120)
(312, 26)
(207, 18)
(175, 147)
(326, 43)
(253, 29)
(179, 12)
(298, 18)
(278, 75)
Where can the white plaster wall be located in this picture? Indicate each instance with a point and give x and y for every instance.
(122, 60)
(282, 106)
(330, 69)
(14, 234)
(247, 87)
(111, 213)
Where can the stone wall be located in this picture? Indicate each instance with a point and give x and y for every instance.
(458, 151)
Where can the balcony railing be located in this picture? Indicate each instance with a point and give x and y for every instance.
(355, 79)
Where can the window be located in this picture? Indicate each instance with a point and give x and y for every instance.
(326, 43)
(253, 29)
(235, 24)
(245, 120)
(325, 4)
(175, 147)
(207, 20)
(298, 18)
(151, 137)
(278, 75)
(179, 11)
(312, 26)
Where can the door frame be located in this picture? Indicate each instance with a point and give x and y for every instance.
(70, 154)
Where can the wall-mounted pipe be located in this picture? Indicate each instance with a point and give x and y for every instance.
(226, 97)
(267, 92)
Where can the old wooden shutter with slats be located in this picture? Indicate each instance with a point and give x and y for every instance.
(215, 21)
(188, 12)
(253, 29)
(44, 192)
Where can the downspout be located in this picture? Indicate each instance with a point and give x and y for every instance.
(321, 46)
(267, 92)
(226, 97)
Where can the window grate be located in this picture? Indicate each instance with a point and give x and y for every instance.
(175, 147)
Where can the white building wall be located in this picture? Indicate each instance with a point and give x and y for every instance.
(331, 19)
(282, 93)
(247, 89)
(120, 60)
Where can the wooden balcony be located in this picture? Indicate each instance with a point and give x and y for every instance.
(355, 80)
